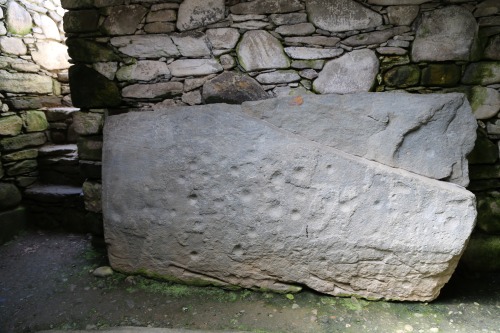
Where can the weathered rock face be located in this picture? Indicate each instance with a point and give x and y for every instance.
(427, 135)
(259, 50)
(233, 88)
(197, 13)
(445, 34)
(353, 72)
(233, 200)
(341, 15)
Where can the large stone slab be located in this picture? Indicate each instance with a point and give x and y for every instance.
(267, 7)
(445, 34)
(430, 135)
(226, 199)
(146, 46)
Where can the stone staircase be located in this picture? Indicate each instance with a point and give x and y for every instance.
(56, 199)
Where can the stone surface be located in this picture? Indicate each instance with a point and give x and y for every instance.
(260, 50)
(276, 77)
(492, 50)
(399, 130)
(153, 90)
(146, 46)
(11, 125)
(314, 40)
(82, 49)
(51, 55)
(311, 53)
(88, 123)
(448, 33)
(18, 19)
(195, 67)
(25, 83)
(485, 151)
(10, 196)
(223, 38)
(341, 15)
(353, 72)
(194, 14)
(487, 8)
(22, 141)
(12, 45)
(441, 75)
(402, 15)
(376, 37)
(90, 89)
(485, 102)
(144, 70)
(192, 97)
(92, 196)
(488, 217)
(103, 271)
(300, 29)
(290, 18)
(402, 76)
(123, 20)
(229, 199)
(81, 21)
(483, 73)
(397, 2)
(34, 121)
(49, 27)
(22, 167)
(90, 148)
(232, 88)
(192, 44)
(267, 7)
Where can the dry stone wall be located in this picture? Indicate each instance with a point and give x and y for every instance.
(147, 55)
(33, 78)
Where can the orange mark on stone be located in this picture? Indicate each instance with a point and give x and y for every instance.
(297, 101)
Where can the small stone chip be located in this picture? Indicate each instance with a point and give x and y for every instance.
(103, 271)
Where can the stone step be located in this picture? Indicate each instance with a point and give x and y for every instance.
(53, 193)
(59, 113)
(53, 206)
(51, 150)
(58, 164)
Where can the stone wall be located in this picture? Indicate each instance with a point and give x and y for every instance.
(33, 78)
(146, 55)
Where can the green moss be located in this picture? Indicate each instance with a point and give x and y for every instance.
(478, 97)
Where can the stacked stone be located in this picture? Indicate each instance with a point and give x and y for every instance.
(33, 65)
(150, 55)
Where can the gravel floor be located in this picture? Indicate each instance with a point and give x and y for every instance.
(46, 282)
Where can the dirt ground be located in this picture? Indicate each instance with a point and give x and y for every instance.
(46, 283)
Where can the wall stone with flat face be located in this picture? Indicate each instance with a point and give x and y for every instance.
(18, 19)
(146, 46)
(266, 7)
(353, 72)
(123, 20)
(51, 55)
(448, 33)
(25, 83)
(194, 14)
(232, 88)
(259, 50)
(341, 15)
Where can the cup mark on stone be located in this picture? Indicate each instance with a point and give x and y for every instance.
(238, 250)
(296, 215)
